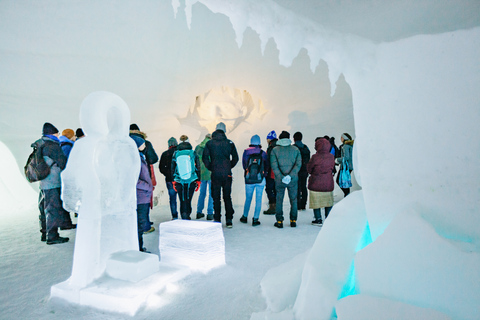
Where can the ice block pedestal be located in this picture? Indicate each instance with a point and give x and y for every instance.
(198, 245)
(131, 277)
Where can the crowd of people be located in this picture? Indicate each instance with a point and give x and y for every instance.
(284, 167)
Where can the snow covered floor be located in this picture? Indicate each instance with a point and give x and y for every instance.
(28, 268)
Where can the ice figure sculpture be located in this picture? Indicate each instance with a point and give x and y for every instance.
(99, 183)
(197, 245)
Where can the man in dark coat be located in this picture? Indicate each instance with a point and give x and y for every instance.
(286, 162)
(220, 156)
(52, 215)
(166, 169)
(302, 174)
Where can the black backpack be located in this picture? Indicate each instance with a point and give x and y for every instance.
(36, 168)
(255, 169)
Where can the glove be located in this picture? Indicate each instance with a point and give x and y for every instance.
(286, 179)
(198, 185)
(175, 186)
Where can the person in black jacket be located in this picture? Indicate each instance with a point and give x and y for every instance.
(302, 174)
(52, 215)
(166, 169)
(220, 156)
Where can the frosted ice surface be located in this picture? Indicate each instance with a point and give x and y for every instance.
(363, 307)
(199, 245)
(410, 262)
(99, 183)
(328, 266)
(132, 265)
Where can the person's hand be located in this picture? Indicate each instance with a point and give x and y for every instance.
(198, 185)
(175, 185)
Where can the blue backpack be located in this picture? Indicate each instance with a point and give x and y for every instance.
(185, 169)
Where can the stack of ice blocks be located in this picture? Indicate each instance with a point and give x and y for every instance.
(198, 245)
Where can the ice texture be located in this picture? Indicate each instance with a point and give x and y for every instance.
(99, 183)
(198, 245)
(131, 265)
(364, 307)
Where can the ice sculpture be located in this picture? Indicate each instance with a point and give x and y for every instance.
(99, 183)
(197, 245)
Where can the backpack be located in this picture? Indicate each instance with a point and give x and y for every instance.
(36, 168)
(338, 153)
(185, 169)
(255, 169)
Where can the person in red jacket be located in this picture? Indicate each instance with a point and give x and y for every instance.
(320, 183)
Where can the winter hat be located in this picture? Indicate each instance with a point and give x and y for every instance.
(68, 133)
(284, 135)
(172, 142)
(221, 126)
(272, 135)
(49, 128)
(139, 141)
(297, 136)
(133, 126)
(79, 133)
(346, 136)
(183, 138)
(255, 140)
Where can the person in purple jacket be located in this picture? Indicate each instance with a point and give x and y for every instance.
(144, 193)
(255, 164)
(320, 183)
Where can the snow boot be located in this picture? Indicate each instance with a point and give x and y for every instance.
(278, 224)
(243, 219)
(271, 209)
(255, 222)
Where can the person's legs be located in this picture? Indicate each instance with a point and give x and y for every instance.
(53, 213)
(280, 190)
(217, 206)
(42, 218)
(188, 201)
(142, 222)
(327, 211)
(227, 198)
(346, 191)
(172, 198)
(292, 195)
(258, 198)
(182, 190)
(317, 213)
(210, 199)
(302, 191)
(201, 196)
(249, 188)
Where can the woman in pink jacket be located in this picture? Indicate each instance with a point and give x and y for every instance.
(320, 182)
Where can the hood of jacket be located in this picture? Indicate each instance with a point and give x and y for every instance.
(349, 142)
(139, 133)
(219, 135)
(285, 142)
(323, 146)
(184, 146)
(204, 142)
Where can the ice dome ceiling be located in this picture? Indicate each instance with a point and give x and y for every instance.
(380, 20)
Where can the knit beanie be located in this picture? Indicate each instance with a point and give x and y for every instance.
(49, 128)
(79, 133)
(221, 126)
(68, 133)
(138, 141)
(284, 135)
(172, 142)
(255, 140)
(272, 135)
(183, 138)
(133, 126)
